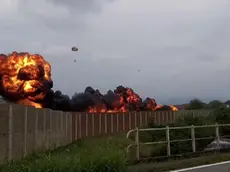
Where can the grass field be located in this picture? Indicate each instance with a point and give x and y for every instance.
(100, 154)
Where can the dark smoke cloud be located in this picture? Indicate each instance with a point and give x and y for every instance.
(112, 100)
(91, 97)
(121, 97)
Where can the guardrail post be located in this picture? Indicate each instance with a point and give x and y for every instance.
(168, 141)
(217, 136)
(137, 144)
(193, 138)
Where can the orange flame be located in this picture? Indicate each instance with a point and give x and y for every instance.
(29, 103)
(25, 76)
(174, 108)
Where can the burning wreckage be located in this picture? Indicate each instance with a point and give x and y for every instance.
(26, 79)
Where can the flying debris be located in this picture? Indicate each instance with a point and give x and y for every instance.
(74, 49)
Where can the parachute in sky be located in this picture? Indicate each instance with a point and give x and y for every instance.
(74, 49)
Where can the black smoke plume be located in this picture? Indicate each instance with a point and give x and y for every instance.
(112, 100)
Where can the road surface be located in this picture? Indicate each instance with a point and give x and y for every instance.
(218, 167)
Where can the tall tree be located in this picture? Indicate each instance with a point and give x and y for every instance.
(215, 104)
(196, 104)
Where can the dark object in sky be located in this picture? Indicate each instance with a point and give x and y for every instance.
(74, 60)
(138, 70)
(74, 49)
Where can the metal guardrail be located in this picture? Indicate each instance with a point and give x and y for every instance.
(167, 129)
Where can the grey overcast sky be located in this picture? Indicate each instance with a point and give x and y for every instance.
(181, 47)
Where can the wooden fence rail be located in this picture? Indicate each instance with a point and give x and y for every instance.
(25, 129)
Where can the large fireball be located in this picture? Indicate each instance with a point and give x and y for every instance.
(24, 76)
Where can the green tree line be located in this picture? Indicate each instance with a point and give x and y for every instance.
(198, 104)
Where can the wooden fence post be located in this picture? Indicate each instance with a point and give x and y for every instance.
(73, 126)
(123, 121)
(100, 128)
(112, 122)
(193, 114)
(193, 138)
(106, 129)
(117, 122)
(174, 116)
(25, 132)
(35, 129)
(61, 128)
(217, 135)
(167, 117)
(93, 124)
(154, 116)
(137, 144)
(10, 131)
(135, 119)
(50, 127)
(61, 114)
(80, 127)
(161, 117)
(130, 122)
(168, 141)
(146, 118)
(44, 129)
(66, 127)
(141, 119)
(86, 125)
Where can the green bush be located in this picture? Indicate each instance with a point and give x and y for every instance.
(222, 116)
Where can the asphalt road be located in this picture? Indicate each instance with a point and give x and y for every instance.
(221, 167)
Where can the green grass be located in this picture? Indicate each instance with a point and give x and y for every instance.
(98, 154)
(179, 164)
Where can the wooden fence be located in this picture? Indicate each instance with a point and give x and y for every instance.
(103, 124)
(24, 129)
